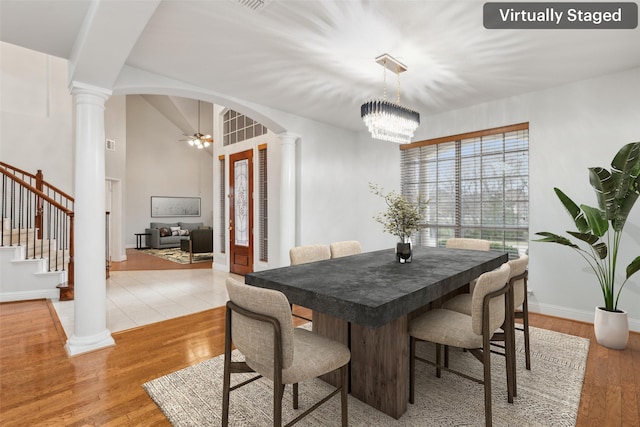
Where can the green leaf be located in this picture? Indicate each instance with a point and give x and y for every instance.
(601, 249)
(604, 185)
(633, 267)
(625, 205)
(585, 237)
(625, 170)
(574, 211)
(625, 167)
(554, 238)
(596, 220)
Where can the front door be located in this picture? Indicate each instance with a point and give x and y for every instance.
(241, 212)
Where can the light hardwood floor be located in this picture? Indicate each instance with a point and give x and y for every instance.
(40, 385)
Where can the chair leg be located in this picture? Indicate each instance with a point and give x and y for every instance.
(278, 392)
(344, 373)
(486, 356)
(438, 360)
(525, 324)
(510, 346)
(446, 356)
(295, 396)
(412, 369)
(227, 370)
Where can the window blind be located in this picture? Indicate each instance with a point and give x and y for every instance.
(477, 186)
(263, 234)
(222, 205)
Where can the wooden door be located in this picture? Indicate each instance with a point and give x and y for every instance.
(241, 212)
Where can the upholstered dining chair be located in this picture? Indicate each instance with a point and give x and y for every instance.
(466, 243)
(451, 328)
(470, 244)
(345, 248)
(519, 309)
(259, 324)
(308, 253)
(305, 254)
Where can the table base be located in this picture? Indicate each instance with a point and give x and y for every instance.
(379, 368)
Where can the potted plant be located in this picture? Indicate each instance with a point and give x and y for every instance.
(401, 219)
(599, 231)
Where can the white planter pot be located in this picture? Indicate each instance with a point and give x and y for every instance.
(611, 328)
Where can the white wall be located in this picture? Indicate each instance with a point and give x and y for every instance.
(158, 164)
(572, 127)
(115, 123)
(36, 125)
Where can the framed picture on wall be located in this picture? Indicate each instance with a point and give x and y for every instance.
(174, 206)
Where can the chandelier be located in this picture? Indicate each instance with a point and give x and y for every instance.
(198, 139)
(387, 120)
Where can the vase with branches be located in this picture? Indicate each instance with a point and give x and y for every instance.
(402, 218)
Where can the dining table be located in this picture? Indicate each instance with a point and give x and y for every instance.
(366, 301)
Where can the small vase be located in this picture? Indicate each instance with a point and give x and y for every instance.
(404, 252)
(611, 328)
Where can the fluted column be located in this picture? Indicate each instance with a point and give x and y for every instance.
(90, 323)
(287, 212)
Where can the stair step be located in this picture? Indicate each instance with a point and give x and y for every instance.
(12, 237)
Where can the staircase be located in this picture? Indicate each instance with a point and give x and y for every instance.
(36, 238)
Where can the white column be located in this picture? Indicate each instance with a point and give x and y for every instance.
(90, 300)
(287, 195)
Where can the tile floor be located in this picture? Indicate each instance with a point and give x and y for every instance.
(136, 298)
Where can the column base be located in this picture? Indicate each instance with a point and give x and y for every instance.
(78, 345)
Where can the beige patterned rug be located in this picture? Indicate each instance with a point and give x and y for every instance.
(548, 395)
(178, 255)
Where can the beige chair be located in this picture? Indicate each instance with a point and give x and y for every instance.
(308, 253)
(258, 322)
(474, 332)
(520, 307)
(345, 248)
(471, 244)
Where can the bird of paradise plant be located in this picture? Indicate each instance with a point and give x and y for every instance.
(600, 229)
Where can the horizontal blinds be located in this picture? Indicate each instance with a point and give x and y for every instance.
(263, 234)
(477, 187)
(222, 205)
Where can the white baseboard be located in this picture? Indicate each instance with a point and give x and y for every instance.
(569, 313)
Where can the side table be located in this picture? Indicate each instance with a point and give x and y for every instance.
(139, 240)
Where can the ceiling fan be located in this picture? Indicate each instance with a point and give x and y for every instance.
(198, 139)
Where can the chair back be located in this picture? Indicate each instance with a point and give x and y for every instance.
(471, 244)
(486, 284)
(255, 338)
(345, 248)
(518, 267)
(308, 253)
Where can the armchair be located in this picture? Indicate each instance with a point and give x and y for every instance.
(200, 241)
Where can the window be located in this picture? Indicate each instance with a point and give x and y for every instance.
(237, 127)
(477, 185)
(222, 204)
(263, 205)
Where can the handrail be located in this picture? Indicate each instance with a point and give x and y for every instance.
(40, 219)
(38, 192)
(45, 183)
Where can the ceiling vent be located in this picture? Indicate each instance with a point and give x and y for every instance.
(256, 5)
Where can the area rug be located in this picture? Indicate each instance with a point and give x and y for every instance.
(178, 255)
(548, 395)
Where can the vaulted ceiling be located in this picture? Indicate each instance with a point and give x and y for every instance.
(315, 58)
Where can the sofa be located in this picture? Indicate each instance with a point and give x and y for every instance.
(162, 235)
